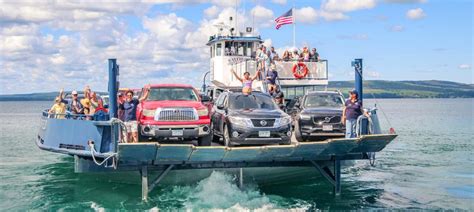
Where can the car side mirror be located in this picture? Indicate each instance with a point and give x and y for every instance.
(205, 98)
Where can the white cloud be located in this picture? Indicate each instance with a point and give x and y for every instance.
(373, 74)
(347, 5)
(415, 14)
(333, 16)
(306, 15)
(170, 30)
(211, 11)
(282, 2)
(354, 37)
(262, 15)
(397, 28)
(464, 66)
(406, 1)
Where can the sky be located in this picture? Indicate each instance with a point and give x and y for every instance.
(52, 44)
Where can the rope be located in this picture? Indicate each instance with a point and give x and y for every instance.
(376, 105)
(91, 145)
(122, 127)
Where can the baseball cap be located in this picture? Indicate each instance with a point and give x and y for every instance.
(354, 92)
(74, 92)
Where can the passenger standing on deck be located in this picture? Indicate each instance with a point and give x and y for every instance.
(58, 110)
(86, 103)
(75, 107)
(130, 114)
(120, 101)
(271, 77)
(246, 81)
(352, 110)
(314, 55)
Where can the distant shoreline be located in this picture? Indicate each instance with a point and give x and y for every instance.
(380, 89)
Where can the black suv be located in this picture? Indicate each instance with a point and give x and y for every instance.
(318, 116)
(249, 120)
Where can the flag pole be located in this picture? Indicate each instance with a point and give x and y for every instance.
(294, 25)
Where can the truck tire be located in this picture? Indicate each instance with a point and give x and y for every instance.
(298, 136)
(215, 138)
(205, 141)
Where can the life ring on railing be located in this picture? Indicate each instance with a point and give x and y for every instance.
(300, 70)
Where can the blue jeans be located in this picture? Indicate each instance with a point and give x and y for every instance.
(350, 128)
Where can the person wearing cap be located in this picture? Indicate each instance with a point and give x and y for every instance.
(271, 77)
(279, 99)
(352, 110)
(75, 106)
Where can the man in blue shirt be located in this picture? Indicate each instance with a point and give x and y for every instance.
(130, 114)
(352, 110)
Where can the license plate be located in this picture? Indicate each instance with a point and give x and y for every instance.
(263, 133)
(327, 127)
(176, 132)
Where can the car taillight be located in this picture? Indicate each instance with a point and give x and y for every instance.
(148, 113)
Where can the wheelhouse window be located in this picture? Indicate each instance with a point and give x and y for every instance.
(174, 94)
(218, 49)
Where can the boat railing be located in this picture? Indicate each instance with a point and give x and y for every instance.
(316, 70)
(67, 115)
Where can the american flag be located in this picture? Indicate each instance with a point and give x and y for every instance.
(286, 18)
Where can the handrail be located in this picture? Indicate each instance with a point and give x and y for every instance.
(67, 115)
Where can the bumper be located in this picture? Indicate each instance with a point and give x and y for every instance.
(312, 130)
(244, 135)
(175, 131)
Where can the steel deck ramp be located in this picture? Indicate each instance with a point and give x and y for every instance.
(325, 156)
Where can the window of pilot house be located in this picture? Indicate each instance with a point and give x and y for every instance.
(249, 49)
(218, 49)
(210, 50)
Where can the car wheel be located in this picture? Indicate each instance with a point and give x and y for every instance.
(298, 135)
(204, 141)
(226, 137)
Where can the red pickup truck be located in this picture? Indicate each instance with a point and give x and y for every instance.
(174, 111)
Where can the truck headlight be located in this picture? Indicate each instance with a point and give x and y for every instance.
(245, 122)
(148, 113)
(305, 117)
(203, 112)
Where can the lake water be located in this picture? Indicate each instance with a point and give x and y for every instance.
(429, 166)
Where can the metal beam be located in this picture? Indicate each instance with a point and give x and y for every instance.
(159, 178)
(325, 172)
(144, 174)
(241, 178)
(337, 177)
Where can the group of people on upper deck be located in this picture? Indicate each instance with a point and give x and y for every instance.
(288, 55)
(86, 107)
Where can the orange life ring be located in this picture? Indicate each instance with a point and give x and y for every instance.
(300, 70)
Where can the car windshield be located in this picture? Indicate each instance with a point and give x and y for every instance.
(162, 94)
(323, 100)
(252, 102)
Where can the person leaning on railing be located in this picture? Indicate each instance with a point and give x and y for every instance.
(58, 110)
(314, 55)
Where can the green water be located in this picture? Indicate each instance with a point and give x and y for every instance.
(429, 166)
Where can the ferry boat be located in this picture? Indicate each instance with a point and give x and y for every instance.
(98, 147)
